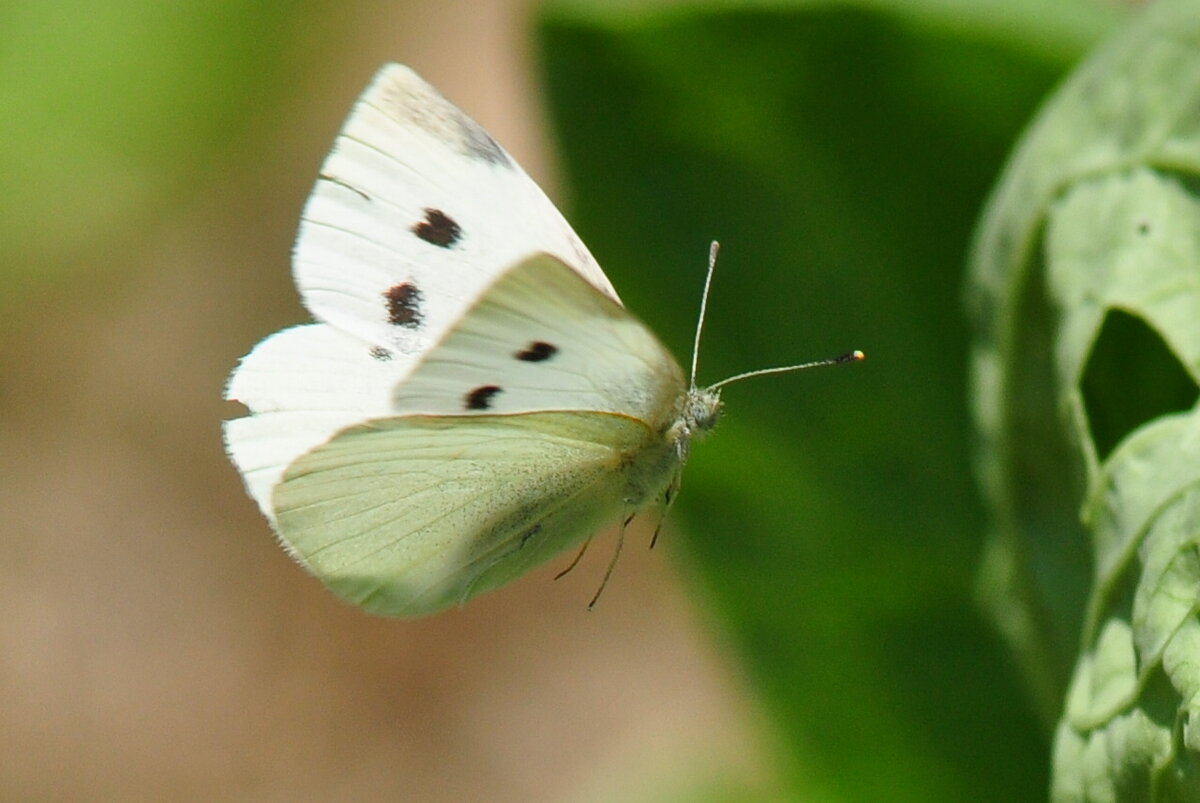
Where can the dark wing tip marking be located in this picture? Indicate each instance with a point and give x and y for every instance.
(479, 143)
(404, 305)
(408, 99)
(380, 353)
(438, 229)
(537, 351)
(481, 397)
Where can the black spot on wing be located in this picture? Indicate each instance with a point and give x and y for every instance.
(404, 305)
(438, 229)
(481, 397)
(380, 353)
(537, 351)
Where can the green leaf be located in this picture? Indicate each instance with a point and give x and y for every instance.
(1086, 281)
(840, 152)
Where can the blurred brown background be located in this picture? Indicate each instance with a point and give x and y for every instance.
(156, 643)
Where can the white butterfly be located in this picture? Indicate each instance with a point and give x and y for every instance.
(474, 398)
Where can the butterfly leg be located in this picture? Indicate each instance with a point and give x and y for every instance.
(582, 549)
(612, 563)
(668, 498)
(576, 559)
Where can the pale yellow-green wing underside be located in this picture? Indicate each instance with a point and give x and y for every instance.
(406, 516)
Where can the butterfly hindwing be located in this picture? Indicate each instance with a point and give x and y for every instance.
(406, 516)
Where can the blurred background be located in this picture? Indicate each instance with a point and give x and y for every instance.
(806, 629)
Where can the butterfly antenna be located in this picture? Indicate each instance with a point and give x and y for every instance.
(712, 263)
(612, 563)
(850, 356)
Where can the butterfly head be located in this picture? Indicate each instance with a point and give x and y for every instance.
(701, 410)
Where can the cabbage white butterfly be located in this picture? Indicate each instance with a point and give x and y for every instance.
(474, 398)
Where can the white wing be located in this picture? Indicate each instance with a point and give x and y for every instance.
(302, 385)
(416, 210)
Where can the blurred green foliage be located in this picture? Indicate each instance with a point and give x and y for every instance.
(841, 152)
(113, 113)
(1086, 298)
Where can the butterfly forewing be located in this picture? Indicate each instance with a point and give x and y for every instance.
(542, 338)
(416, 211)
